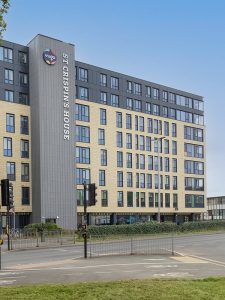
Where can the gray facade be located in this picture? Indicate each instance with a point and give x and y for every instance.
(52, 94)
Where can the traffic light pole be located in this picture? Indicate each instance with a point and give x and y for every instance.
(85, 220)
(8, 227)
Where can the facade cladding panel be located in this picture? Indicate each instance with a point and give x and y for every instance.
(53, 153)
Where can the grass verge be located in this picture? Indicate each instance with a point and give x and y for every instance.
(207, 289)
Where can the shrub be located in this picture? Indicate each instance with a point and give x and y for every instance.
(40, 227)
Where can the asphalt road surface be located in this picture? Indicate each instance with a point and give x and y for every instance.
(197, 256)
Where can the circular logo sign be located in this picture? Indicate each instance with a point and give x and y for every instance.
(49, 57)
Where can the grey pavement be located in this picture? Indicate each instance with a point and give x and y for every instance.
(197, 256)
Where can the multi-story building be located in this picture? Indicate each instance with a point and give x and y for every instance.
(216, 208)
(135, 139)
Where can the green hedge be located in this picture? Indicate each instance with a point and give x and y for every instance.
(154, 228)
(40, 227)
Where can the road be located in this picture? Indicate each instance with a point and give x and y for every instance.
(199, 256)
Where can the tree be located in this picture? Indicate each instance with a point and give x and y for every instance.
(4, 6)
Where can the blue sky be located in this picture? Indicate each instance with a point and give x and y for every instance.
(172, 42)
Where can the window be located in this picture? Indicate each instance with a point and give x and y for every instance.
(103, 79)
(165, 112)
(148, 143)
(128, 121)
(166, 147)
(80, 197)
(194, 184)
(129, 87)
(142, 161)
(104, 198)
(9, 96)
(129, 103)
(195, 134)
(82, 112)
(118, 119)
(165, 96)
(120, 199)
(25, 172)
(172, 98)
(199, 120)
(24, 149)
(137, 180)
(137, 105)
(103, 97)
(167, 182)
(101, 136)
(83, 155)
(142, 199)
(199, 105)
(148, 108)
(114, 83)
(119, 139)
(6, 54)
(136, 142)
(194, 201)
(83, 93)
(137, 161)
(119, 159)
(167, 200)
(141, 142)
(24, 125)
(141, 124)
(83, 75)
(129, 140)
(166, 164)
(25, 195)
(82, 134)
(137, 89)
(129, 160)
(149, 181)
(174, 130)
(175, 201)
(174, 182)
(114, 100)
(7, 146)
(101, 177)
(9, 76)
(150, 199)
(103, 157)
(11, 171)
(136, 122)
(129, 199)
(23, 78)
(142, 180)
(155, 110)
(23, 59)
(150, 162)
(172, 113)
(102, 116)
(129, 179)
(155, 94)
(193, 150)
(174, 165)
(82, 176)
(180, 100)
(10, 123)
(148, 91)
(174, 147)
(193, 167)
(120, 179)
(23, 99)
(149, 125)
(166, 128)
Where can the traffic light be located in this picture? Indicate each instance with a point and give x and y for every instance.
(5, 192)
(92, 194)
(11, 200)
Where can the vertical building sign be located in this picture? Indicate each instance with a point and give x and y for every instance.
(66, 94)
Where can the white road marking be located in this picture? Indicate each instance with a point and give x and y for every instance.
(175, 274)
(103, 272)
(161, 266)
(154, 259)
(4, 282)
